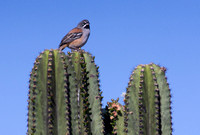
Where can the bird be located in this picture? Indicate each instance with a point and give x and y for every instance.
(77, 37)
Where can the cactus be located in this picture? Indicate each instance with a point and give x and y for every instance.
(116, 113)
(147, 109)
(64, 95)
(65, 99)
(147, 102)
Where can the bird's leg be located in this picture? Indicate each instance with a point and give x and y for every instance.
(78, 49)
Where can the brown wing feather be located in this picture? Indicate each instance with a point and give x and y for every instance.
(71, 36)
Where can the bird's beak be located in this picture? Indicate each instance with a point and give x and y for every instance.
(87, 26)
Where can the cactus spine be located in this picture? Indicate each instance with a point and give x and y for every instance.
(64, 95)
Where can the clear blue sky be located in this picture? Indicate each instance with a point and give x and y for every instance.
(123, 34)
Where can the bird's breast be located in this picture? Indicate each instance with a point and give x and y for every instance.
(85, 35)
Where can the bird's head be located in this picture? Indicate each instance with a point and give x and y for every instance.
(84, 24)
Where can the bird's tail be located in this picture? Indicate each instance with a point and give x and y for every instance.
(62, 46)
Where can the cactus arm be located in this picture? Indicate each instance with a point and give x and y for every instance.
(64, 95)
(147, 102)
(95, 97)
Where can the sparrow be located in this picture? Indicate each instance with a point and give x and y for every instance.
(77, 37)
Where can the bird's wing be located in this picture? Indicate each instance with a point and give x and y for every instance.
(71, 36)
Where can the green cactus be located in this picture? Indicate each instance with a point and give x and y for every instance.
(147, 109)
(116, 113)
(65, 99)
(64, 95)
(147, 102)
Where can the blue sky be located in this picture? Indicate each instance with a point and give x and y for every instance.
(124, 34)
